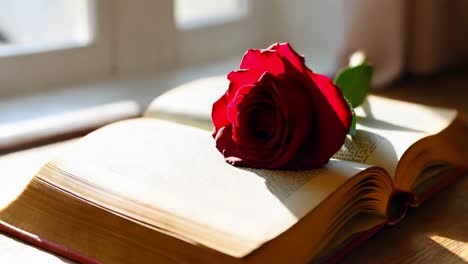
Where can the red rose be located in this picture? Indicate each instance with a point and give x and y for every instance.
(278, 114)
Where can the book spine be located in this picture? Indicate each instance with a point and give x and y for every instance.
(45, 244)
(397, 206)
(417, 201)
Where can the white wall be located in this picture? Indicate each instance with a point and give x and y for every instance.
(313, 27)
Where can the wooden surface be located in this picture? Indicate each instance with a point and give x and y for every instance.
(445, 90)
(436, 232)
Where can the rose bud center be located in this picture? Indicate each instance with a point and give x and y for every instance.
(257, 116)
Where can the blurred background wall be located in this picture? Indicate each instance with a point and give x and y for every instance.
(51, 42)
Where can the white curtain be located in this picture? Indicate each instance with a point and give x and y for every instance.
(418, 37)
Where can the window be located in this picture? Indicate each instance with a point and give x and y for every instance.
(52, 42)
(148, 35)
(192, 14)
(48, 42)
(42, 25)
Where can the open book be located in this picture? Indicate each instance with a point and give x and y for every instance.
(155, 189)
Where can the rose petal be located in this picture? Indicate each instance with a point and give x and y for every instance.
(285, 50)
(227, 146)
(334, 97)
(255, 119)
(235, 155)
(238, 79)
(267, 96)
(300, 121)
(218, 114)
(333, 117)
(261, 61)
(231, 109)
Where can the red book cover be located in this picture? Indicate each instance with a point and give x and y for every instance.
(45, 244)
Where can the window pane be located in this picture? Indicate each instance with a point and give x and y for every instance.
(32, 26)
(198, 13)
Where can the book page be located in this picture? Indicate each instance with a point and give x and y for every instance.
(179, 176)
(386, 128)
(190, 103)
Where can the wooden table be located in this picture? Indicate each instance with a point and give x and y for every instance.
(437, 232)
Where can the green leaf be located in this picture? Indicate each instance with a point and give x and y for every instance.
(352, 130)
(354, 82)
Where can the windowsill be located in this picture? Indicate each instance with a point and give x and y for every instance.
(27, 120)
(35, 118)
(27, 49)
